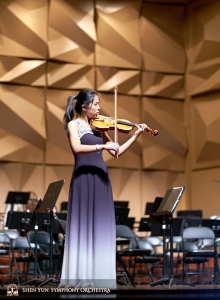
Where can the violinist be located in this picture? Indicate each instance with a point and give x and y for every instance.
(90, 246)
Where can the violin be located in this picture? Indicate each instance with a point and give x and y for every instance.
(104, 123)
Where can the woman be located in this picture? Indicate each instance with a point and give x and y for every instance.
(90, 240)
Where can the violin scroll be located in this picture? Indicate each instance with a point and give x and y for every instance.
(152, 132)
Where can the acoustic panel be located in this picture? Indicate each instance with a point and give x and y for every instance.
(70, 76)
(22, 121)
(71, 31)
(163, 85)
(20, 177)
(118, 38)
(23, 71)
(23, 28)
(167, 117)
(162, 38)
(205, 139)
(127, 81)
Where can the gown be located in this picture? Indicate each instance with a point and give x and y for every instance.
(90, 240)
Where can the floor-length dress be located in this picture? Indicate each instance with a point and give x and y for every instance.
(90, 240)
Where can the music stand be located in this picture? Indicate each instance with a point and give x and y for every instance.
(166, 209)
(153, 206)
(121, 215)
(189, 213)
(48, 204)
(19, 220)
(17, 198)
(145, 225)
(121, 204)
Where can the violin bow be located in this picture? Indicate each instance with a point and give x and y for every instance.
(116, 113)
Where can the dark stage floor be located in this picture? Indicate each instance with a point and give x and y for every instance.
(175, 291)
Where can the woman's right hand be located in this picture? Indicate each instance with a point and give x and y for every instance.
(112, 146)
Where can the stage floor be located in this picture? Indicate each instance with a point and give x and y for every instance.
(175, 291)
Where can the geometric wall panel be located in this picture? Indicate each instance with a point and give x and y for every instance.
(166, 116)
(22, 121)
(123, 182)
(23, 28)
(58, 150)
(206, 191)
(20, 71)
(118, 39)
(163, 85)
(204, 40)
(162, 38)
(156, 183)
(205, 138)
(20, 177)
(203, 80)
(56, 173)
(128, 81)
(156, 157)
(72, 76)
(71, 31)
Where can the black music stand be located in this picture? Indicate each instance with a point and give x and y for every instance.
(17, 198)
(48, 205)
(121, 204)
(121, 215)
(166, 209)
(151, 206)
(189, 213)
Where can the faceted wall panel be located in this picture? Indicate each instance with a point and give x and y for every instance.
(205, 131)
(118, 36)
(72, 76)
(128, 81)
(206, 191)
(204, 41)
(21, 177)
(71, 31)
(23, 27)
(167, 150)
(162, 38)
(155, 184)
(163, 85)
(56, 173)
(22, 123)
(21, 71)
(58, 150)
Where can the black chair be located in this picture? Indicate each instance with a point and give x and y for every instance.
(198, 234)
(43, 251)
(189, 262)
(138, 252)
(12, 233)
(5, 252)
(21, 259)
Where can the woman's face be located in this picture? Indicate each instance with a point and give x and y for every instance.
(93, 110)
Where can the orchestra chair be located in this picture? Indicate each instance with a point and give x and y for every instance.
(43, 251)
(5, 254)
(137, 252)
(196, 234)
(21, 259)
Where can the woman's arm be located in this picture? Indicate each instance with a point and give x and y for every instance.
(124, 147)
(79, 148)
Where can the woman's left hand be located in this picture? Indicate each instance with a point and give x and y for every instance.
(141, 129)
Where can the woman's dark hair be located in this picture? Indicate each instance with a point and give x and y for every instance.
(84, 97)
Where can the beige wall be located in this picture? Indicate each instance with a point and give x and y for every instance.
(165, 60)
